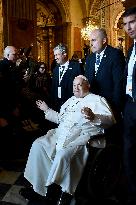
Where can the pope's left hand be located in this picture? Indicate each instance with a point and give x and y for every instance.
(88, 113)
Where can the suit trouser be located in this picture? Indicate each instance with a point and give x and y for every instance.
(130, 146)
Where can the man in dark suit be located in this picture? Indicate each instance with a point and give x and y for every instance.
(129, 21)
(63, 76)
(9, 92)
(104, 69)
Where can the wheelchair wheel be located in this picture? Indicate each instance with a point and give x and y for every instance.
(104, 172)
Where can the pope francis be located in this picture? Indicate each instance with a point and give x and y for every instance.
(60, 156)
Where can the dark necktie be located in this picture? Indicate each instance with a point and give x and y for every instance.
(97, 59)
(61, 70)
(97, 63)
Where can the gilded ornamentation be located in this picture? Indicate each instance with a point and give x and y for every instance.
(64, 6)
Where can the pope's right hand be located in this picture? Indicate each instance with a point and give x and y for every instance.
(42, 105)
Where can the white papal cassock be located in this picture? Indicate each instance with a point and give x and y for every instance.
(60, 156)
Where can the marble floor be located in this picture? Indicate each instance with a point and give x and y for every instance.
(12, 180)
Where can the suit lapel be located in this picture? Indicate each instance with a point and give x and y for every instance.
(56, 74)
(93, 61)
(126, 66)
(92, 65)
(129, 54)
(66, 76)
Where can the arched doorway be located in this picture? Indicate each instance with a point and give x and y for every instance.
(52, 28)
(119, 32)
(49, 31)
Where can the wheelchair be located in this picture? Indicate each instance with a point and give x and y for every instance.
(103, 168)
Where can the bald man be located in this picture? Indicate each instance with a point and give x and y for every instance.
(7, 80)
(104, 70)
(9, 88)
(10, 53)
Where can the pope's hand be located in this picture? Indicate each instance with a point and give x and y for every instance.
(88, 113)
(42, 105)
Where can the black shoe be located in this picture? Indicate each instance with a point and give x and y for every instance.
(65, 199)
(31, 195)
(54, 191)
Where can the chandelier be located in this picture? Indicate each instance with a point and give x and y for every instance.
(89, 26)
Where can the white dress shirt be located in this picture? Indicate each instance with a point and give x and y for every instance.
(131, 64)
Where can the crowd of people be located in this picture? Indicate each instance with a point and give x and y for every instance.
(81, 101)
(22, 81)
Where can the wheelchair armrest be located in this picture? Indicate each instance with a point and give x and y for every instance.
(98, 141)
(101, 140)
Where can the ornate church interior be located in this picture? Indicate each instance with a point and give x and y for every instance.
(39, 25)
(47, 23)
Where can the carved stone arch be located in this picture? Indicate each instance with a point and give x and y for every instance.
(98, 10)
(53, 20)
(84, 7)
(64, 7)
(119, 9)
(108, 19)
(43, 15)
(119, 32)
(45, 22)
(114, 17)
(94, 7)
(117, 19)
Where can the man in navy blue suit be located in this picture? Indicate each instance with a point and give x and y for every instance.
(129, 21)
(63, 76)
(104, 70)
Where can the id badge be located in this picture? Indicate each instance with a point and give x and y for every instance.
(59, 92)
